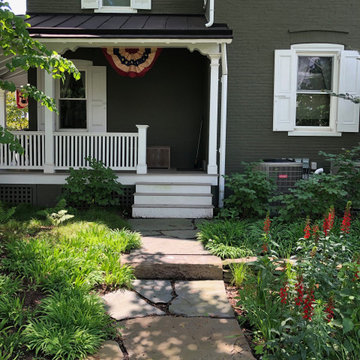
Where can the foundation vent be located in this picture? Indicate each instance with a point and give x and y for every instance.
(17, 194)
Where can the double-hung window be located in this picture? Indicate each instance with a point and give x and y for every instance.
(305, 76)
(73, 103)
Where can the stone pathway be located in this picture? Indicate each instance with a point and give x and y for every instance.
(173, 319)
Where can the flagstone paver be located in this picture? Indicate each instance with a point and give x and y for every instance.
(125, 304)
(179, 338)
(110, 350)
(201, 298)
(161, 224)
(180, 234)
(157, 291)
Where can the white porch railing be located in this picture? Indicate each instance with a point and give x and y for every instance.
(33, 143)
(119, 151)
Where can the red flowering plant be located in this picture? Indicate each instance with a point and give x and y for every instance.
(266, 234)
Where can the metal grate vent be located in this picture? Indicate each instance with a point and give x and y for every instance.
(284, 174)
(17, 194)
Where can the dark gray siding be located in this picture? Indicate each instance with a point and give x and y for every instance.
(170, 99)
(74, 6)
(260, 27)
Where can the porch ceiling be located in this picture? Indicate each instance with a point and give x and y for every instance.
(19, 77)
(126, 26)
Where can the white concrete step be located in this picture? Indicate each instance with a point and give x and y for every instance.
(172, 199)
(172, 211)
(173, 188)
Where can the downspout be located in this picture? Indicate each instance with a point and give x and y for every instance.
(222, 150)
(211, 15)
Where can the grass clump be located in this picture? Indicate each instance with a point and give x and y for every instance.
(12, 318)
(238, 273)
(68, 325)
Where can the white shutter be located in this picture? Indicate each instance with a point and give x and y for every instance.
(97, 98)
(89, 4)
(284, 90)
(141, 4)
(40, 84)
(349, 83)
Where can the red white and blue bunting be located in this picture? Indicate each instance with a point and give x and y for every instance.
(132, 62)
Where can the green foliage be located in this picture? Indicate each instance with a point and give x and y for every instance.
(314, 196)
(238, 273)
(227, 251)
(92, 187)
(329, 267)
(250, 193)
(12, 318)
(69, 325)
(56, 215)
(6, 213)
(79, 254)
(66, 262)
(16, 119)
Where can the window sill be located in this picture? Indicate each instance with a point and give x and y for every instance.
(116, 9)
(314, 133)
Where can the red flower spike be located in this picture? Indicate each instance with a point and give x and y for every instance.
(308, 309)
(307, 229)
(329, 221)
(346, 222)
(267, 223)
(330, 309)
(284, 293)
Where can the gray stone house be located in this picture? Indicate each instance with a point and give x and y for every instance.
(176, 93)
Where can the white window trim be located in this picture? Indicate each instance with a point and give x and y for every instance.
(327, 50)
(115, 9)
(82, 65)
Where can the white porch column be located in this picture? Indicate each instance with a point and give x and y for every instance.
(49, 89)
(2, 108)
(213, 113)
(142, 166)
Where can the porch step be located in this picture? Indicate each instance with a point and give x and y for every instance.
(172, 211)
(173, 188)
(172, 199)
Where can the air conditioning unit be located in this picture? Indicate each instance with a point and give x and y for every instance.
(284, 172)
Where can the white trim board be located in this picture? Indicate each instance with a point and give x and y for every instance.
(39, 178)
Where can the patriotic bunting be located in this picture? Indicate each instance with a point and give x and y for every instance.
(132, 62)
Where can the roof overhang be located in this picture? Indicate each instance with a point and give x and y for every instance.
(125, 26)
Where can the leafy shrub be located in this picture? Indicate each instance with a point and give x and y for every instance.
(313, 197)
(69, 325)
(250, 193)
(95, 186)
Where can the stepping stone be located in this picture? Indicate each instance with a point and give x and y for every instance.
(110, 350)
(181, 234)
(160, 224)
(174, 259)
(178, 338)
(157, 291)
(125, 304)
(201, 298)
(168, 246)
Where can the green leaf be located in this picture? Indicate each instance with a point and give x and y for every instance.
(348, 325)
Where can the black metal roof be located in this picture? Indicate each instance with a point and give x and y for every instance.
(125, 26)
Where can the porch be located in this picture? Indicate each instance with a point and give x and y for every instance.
(50, 150)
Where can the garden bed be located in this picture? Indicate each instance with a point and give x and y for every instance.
(51, 270)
